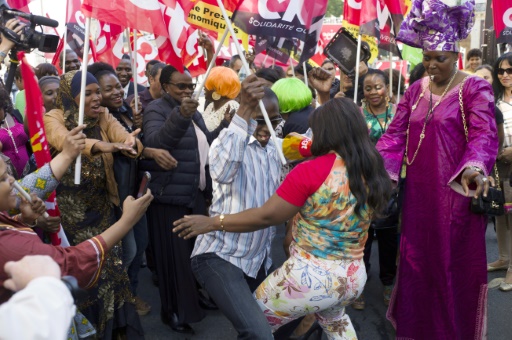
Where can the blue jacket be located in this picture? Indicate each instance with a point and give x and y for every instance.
(165, 128)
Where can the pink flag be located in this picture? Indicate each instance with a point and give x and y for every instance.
(502, 14)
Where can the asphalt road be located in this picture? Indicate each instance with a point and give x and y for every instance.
(370, 323)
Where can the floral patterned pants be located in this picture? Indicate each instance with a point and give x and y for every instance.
(306, 284)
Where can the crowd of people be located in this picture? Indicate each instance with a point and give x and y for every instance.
(218, 190)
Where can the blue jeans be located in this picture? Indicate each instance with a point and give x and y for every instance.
(232, 291)
(134, 245)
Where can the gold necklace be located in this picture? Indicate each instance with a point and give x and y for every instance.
(422, 134)
(9, 132)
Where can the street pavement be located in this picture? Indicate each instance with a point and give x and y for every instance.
(370, 324)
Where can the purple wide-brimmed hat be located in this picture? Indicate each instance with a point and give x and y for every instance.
(437, 25)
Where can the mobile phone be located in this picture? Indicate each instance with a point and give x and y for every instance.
(146, 178)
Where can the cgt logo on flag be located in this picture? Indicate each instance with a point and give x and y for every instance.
(280, 18)
(502, 14)
(283, 19)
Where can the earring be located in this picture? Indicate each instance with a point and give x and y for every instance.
(363, 103)
(216, 96)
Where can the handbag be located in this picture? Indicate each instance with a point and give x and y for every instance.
(493, 204)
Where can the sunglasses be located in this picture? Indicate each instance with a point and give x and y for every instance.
(183, 86)
(501, 71)
(273, 121)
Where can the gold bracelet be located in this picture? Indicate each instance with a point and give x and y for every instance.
(221, 219)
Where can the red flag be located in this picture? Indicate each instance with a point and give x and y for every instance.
(145, 51)
(73, 13)
(368, 20)
(144, 15)
(178, 45)
(390, 16)
(21, 5)
(502, 14)
(34, 115)
(108, 42)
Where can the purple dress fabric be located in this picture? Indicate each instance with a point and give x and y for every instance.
(20, 159)
(441, 288)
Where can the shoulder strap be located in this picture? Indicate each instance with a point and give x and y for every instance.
(496, 174)
(462, 107)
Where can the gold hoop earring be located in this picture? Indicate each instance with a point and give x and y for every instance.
(216, 96)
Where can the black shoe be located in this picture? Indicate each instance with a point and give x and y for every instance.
(207, 303)
(175, 326)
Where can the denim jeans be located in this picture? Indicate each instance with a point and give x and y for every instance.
(232, 291)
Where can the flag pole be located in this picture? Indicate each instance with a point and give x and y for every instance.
(305, 73)
(264, 61)
(212, 64)
(85, 61)
(248, 72)
(390, 75)
(133, 54)
(291, 66)
(358, 61)
(399, 82)
(64, 49)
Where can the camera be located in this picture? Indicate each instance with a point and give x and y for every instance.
(29, 38)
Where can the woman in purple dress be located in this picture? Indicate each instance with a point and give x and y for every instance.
(441, 288)
(13, 137)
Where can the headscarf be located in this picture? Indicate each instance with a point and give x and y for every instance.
(68, 90)
(48, 80)
(435, 25)
(224, 81)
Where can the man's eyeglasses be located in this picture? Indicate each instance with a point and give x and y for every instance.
(273, 121)
(501, 71)
(183, 86)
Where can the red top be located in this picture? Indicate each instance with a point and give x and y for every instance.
(305, 179)
(83, 261)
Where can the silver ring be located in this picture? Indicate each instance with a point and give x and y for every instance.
(485, 179)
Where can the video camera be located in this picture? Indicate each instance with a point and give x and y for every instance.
(29, 38)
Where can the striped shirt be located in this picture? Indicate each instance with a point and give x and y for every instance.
(244, 175)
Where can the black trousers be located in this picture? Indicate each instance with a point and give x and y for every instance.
(177, 285)
(388, 248)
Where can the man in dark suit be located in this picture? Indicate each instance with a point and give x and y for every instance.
(124, 73)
